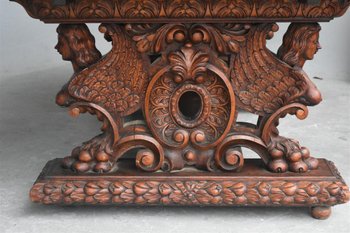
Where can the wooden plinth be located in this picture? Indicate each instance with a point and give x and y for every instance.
(254, 186)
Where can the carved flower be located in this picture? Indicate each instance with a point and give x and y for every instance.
(165, 189)
(239, 189)
(49, 188)
(241, 200)
(214, 189)
(264, 200)
(116, 188)
(165, 200)
(91, 189)
(289, 188)
(312, 189)
(333, 189)
(312, 200)
(301, 196)
(78, 195)
(253, 195)
(141, 188)
(277, 195)
(264, 188)
(102, 197)
(68, 188)
(288, 200)
(216, 200)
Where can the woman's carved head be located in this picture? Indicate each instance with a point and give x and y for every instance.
(300, 43)
(77, 44)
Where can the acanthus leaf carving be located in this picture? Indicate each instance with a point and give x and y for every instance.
(249, 10)
(188, 64)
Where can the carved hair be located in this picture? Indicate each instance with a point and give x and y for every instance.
(81, 43)
(295, 41)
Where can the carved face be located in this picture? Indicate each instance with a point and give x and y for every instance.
(63, 48)
(312, 46)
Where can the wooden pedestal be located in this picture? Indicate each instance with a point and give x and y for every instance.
(253, 186)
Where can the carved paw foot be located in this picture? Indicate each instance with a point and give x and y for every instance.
(92, 156)
(287, 154)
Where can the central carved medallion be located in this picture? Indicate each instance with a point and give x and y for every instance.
(190, 112)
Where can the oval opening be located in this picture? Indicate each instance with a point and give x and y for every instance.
(190, 105)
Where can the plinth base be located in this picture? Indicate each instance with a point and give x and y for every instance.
(253, 186)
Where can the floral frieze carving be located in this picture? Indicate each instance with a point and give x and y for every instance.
(191, 192)
(104, 10)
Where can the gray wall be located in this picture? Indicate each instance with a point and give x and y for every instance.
(27, 45)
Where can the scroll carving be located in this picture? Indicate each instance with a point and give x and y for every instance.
(266, 84)
(189, 94)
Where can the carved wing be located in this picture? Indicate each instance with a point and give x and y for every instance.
(262, 82)
(118, 81)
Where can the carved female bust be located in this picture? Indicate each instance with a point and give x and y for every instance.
(75, 44)
(300, 43)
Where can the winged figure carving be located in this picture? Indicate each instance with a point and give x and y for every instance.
(263, 81)
(117, 82)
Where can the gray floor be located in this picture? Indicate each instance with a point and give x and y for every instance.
(33, 130)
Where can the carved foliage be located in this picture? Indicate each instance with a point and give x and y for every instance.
(232, 8)
(223, 38)
(282, 9)
(188, 64)
(327, 8)
(94, 9)
(192, 192)
(152, 9)
(154, 37)
(139, 9)
(184, 8)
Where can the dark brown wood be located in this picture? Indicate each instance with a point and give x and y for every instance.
(253, 185)
(178, 75)
(77, 11)
(189, 94)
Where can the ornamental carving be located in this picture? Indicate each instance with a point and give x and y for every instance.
(168, 121)
(170, 93)
(123, 10)
(274, 193)
(189, 80)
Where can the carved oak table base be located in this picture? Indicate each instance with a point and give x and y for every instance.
(168, 94)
